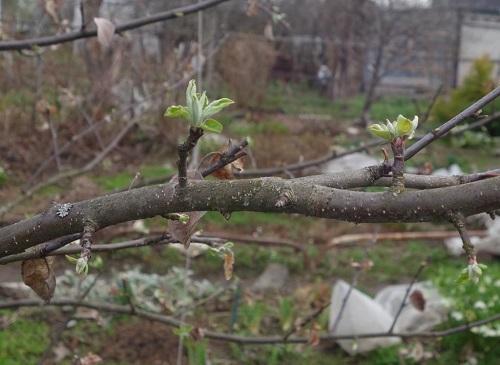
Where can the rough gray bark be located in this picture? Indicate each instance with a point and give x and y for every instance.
(261, 195)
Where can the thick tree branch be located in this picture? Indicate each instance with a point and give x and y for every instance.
(259, 195)
(133, 24)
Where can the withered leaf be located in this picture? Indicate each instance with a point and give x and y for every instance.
(226, 172)
(183, 231)
(252, 8)
(91, 359)
(228, 264)
(417, 300)
(105, 31)
(314, 338)
(39, 275)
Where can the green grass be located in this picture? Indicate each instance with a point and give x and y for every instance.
(245, 128)
(300, 99)
(123, 179)
(23, 342)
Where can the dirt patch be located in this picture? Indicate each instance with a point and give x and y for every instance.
(141, 342)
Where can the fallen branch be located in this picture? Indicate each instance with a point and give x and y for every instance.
(243, 340)
(356, 238)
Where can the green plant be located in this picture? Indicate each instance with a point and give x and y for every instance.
(196, 349)
(471, 302)
(3, 176)
(251, 317)
(23, 342)
(286, 313)
(198, 110)
(475, 85)
(396, 133)
(401, 127)
(471, 139)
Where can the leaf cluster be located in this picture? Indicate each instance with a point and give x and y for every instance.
(198, 110)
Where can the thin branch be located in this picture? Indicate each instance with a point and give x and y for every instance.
(420, 143)
(427, 113)
(133, 24)
(357, 238)
(453, 122)
(184, 149)
(244, 340)
(477, 124)
(306, 164)
(313, 316)
(407, 293)
(458, 221)
(63, 149)
(69, 174)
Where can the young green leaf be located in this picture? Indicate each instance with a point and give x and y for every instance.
(406, 127)
(177, 111)
(212, 125)
(403, 126)
(190, 93)
(216, 106)
(381, 131)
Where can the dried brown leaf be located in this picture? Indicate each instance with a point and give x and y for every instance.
(39, 275)
(183, 231)
(417, 299)
(228, 264)
(252, 7)
(91, 359)
(51, 8)
(314, 338)
(226, 172)
(105, 31)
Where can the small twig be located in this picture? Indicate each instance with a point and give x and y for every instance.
(82, 15)
(407, 293)
(55, 144)
(134, 180)
(306, 320)
(435, 96)
(458, 221)
(129, 294)
(353, 283)
(232, 154)
(184, 149)
(398, 165)
(69, 174)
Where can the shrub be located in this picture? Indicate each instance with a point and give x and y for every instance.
(476, 84)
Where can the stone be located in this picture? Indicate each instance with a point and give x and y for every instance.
(274, 277)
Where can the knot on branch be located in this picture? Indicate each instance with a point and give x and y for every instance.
(286, 198)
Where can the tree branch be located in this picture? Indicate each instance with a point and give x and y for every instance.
(184, 149)
(446, 127)
(253, 195)
(218, 336)
(133, 24)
